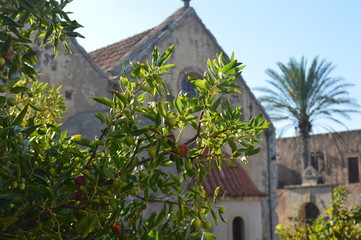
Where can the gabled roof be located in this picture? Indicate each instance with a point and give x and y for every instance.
(135, 48)
(234, 182)
(110, 55)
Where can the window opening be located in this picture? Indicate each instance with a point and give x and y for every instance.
(187, 86)
(353, 172)
(238, 229)
(317, 160)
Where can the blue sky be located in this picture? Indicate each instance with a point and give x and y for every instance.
(261, 33)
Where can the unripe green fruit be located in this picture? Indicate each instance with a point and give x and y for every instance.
(207, 225)
(62, 37)
(221, 210)
(11, 102)
(2, 61)
(152, 152)
(21, 186)
(3, 88)
(196, 223)
(14, 184)
(172, 122)
(117, 184)
(129, 140)
(189, 166)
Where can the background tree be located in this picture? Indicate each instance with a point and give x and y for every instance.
(54, 186)
(303, 95)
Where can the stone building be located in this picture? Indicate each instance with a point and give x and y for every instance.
(250, 190)
(334, 160)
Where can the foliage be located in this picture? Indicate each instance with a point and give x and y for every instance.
(54, 186)
(46, 103)
(339, 222)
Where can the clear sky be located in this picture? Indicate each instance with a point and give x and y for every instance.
(261, 33)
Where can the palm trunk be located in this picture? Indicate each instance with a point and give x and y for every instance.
(305, 153)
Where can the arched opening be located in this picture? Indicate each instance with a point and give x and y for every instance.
(187, 86)
(309, 212)
(238, 229)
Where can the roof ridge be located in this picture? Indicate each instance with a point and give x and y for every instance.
(106, 57)
(122, 40)
(146, 45)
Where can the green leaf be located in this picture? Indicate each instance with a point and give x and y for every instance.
(6, 222)
(215, 194)
(105, 101)
(210, 236)
(200, 83)
(165, 56)
(17, 90)
(6, 45)
(81, 141)
(100, 117)
(180, 205)
(161, 216)
(20, 116)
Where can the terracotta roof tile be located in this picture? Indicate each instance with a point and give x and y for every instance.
(125, 50)
(110, 55)
(234, 182)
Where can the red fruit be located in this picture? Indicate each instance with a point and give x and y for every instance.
(76, 196)
(79, 196)
(7, 57)
(172, 156)
(183, 149)
(80, 181)
(116, 227)
(171, 137)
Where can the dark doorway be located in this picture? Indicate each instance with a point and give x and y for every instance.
(311, 212)
(238, 229)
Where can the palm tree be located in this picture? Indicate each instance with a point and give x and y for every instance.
(303, 96)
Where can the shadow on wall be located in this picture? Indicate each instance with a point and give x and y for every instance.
(288, 176)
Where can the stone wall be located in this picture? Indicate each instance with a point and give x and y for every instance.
(77, 73)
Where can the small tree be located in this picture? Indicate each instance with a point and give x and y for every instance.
(339, 222)
(55, 186)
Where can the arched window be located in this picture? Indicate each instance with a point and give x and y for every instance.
(238, 229)
(187, 86)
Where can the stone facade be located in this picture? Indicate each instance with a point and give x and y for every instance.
(85, 75)
(335, 158)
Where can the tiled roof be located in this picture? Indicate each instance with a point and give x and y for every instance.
(233, 181)
(110, 55)
(133, 48)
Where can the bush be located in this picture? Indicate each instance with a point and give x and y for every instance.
(339, 222)
(133, 181)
